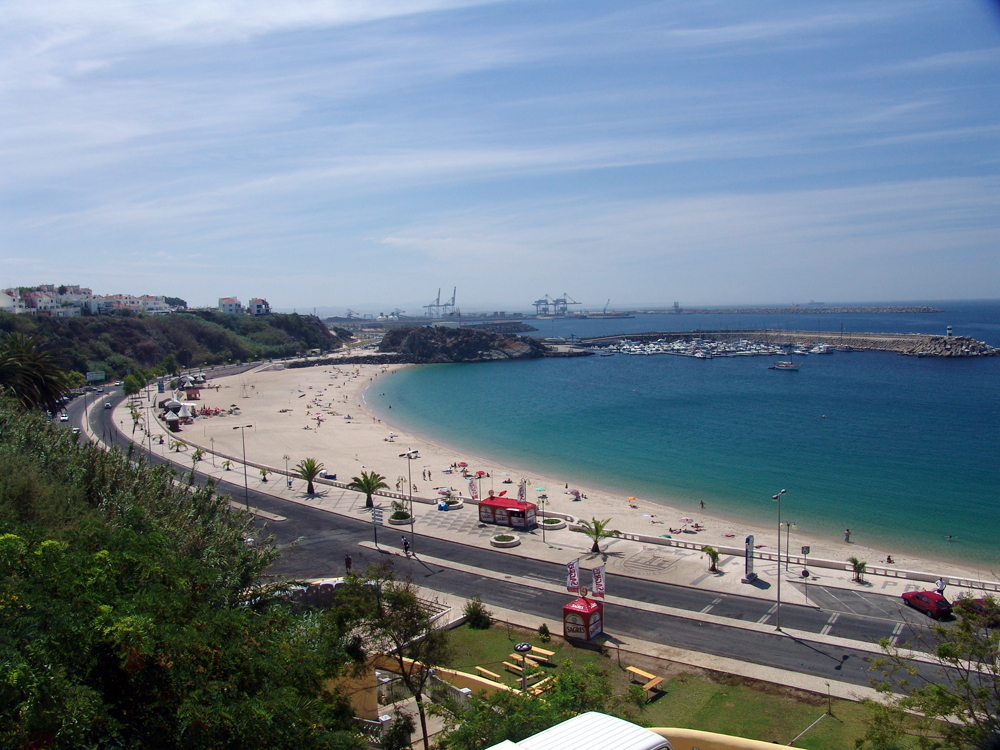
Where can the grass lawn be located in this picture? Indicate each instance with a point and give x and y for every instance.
(690, 697)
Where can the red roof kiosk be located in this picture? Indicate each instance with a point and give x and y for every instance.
(507, 511)
(583, 619)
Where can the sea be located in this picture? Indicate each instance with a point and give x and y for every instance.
(903, 451)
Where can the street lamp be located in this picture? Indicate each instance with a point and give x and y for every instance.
(246, 480)
(788, 526)
(777, 611)
(410, 456)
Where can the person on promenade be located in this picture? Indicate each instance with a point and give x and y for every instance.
(939, 586)
(406, 546)
(847, 535)
(348, 562)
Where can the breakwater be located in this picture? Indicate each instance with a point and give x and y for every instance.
(910, 344)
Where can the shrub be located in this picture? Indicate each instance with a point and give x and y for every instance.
(400, 515)
(504, 538)
(543, 633)
(477, 615)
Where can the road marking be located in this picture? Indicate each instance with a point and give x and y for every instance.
(899, 628)
(707, 609)
(766, 617)
(829, 623)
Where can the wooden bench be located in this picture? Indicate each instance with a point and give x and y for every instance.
(652, 682)
(540, 687)
(488, 673)
(542, 651)
(525, 659)
(513, 667)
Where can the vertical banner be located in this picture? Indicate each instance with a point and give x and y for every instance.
(598, 590)
(749, 574)
(573, 577)
(473, 490)
(522, 493)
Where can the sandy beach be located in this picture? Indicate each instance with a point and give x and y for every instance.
(320, 412)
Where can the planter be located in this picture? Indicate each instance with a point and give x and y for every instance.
(400, 521)
(513, 540)
(551, 524)
(455, 504)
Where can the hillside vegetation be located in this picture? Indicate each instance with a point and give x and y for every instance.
(435, 345)
(118, 344)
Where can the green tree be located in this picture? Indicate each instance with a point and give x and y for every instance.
(713, 558)
(309, 469)
(131, 385)
(133, 614)
(369, 483)
(390, 619)
(76, 379)
(483, 722)
(33, 375)
(597, 530)
(965, 686)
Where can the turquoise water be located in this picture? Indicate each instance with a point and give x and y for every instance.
(901, 450)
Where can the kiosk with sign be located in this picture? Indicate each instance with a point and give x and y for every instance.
(506, 511)
(583, 619)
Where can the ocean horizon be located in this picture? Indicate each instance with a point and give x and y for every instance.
(901, 450)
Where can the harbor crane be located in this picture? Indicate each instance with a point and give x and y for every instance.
(559, 306)
(437, 308)
(351, 313)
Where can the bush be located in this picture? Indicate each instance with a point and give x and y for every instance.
(504, 538)
(543, 633)
(400, 515)
(478, 617)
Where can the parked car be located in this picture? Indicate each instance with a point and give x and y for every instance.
(984, 608)
(929, 602)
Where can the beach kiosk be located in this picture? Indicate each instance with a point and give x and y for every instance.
(507, 511)
(583, 619)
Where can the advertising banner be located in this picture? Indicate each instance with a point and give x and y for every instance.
(749, 574)
(573, 577)
(598, 590)
(473, 490)
(522, 493)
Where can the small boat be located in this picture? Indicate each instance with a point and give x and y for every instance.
(784, 365)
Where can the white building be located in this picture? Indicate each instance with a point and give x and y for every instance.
(230, 306)
(258, 306)
(11, 303)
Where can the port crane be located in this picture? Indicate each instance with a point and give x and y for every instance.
(351, 313)
(559, 306)
(437, 308)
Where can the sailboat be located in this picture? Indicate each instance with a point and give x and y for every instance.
(786, 364)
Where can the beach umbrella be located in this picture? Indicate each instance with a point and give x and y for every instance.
(505, 473)
(462, 463)
(687, 520)
(574, 492)
(480, 473)
(631, 497)
(539, 489)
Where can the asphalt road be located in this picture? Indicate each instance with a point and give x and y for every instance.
(315, 542)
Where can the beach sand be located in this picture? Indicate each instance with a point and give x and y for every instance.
(304, 412)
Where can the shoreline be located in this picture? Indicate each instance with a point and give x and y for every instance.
(349, 445)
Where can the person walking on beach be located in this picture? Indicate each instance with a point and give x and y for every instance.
(348, 562)
(406, 546)
(847, 535)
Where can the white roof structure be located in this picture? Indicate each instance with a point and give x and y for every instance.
(590, 731)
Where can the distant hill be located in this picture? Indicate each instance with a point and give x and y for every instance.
(119, 343)
(458, 345)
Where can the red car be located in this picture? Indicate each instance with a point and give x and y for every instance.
(986, 609)
(929, 602)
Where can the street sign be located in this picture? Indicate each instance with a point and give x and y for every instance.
(805, 550)
(95, 376)
(377, 516)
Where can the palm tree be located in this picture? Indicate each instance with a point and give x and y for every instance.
(309, 469)
(598, 530)
(369, 482)
(196, 457)
(713, 558)
(35, 377)
(859, 568)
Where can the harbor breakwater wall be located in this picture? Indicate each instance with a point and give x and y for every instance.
(910, 344)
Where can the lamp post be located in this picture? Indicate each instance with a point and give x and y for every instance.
(246, 480)
(541, 504)
(788, 526)
(777, 611)
(213, 451)
(410, 455)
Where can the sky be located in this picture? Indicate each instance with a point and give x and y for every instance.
(365, 153)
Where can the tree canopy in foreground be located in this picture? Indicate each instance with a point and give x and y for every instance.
(134, 615)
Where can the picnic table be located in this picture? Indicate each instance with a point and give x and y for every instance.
(488, 673)
(652, 682)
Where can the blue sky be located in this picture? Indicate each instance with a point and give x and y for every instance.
(366, 153)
